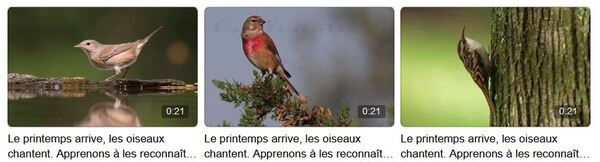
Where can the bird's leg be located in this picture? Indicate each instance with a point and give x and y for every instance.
(262, 73)
(269, 74)
(126, 70)
(117, 72)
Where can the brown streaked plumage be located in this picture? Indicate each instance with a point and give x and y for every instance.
(476, 62)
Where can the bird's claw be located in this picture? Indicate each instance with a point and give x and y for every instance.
(110, 78)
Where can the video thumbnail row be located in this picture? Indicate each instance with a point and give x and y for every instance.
(299, 67)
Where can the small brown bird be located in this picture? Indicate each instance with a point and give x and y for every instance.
(260, 50)
(477, 63)
(113, 56)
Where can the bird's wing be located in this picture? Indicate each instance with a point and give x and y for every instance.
(271, 47)
(114, 50)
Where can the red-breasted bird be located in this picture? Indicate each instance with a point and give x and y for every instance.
(477, 63)
(260, 50)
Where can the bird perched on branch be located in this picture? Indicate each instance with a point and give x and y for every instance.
(478, 64)
(260, 50)
(113, 56)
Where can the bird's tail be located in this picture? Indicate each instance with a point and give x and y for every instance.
(491, 105)
(284, 74)
(151, 34)
(291, 87)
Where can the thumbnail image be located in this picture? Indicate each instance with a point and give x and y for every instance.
(299, 67)
(498, 67)
(102, 67)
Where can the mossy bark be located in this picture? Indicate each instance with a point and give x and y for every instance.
(541, 58)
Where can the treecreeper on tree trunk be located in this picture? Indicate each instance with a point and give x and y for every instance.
(477, 63)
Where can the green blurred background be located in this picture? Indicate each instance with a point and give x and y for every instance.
(41, 40)
(436, 89)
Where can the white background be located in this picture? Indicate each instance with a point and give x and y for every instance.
(386, 138)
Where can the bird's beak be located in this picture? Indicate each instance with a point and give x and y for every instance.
(77, 46)
(264, 22)
(463, 33)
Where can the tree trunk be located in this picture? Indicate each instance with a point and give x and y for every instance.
(541, 58)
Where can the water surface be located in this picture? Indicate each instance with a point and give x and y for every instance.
(98, 109)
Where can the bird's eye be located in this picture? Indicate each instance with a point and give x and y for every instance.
(253, 20)
(88, 43)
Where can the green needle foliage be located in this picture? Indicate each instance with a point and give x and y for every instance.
(269, 95)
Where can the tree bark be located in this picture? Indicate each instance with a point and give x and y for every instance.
(541, 58)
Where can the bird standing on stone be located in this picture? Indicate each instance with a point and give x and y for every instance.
(260, 50)
(113, 56)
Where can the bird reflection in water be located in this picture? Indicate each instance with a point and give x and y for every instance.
(109, 114)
